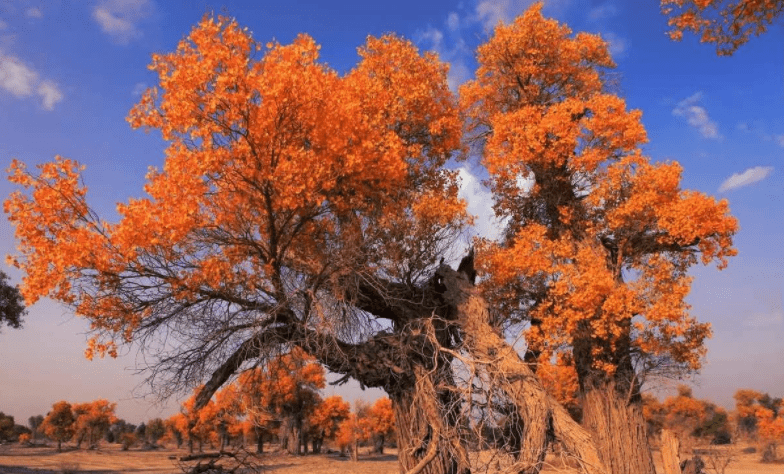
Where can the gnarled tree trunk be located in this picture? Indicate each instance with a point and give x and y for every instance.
(428, 437)
(539, 415)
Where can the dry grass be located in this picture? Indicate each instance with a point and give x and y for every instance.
(109, 459)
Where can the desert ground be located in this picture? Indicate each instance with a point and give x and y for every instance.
(110, 459)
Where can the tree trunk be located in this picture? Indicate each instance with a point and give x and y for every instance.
(259, 439)
(618, 428)
(537, 415)
(427, 444)
(293, 443)
(670, 452)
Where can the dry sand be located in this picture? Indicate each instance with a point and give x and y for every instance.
(109, 459)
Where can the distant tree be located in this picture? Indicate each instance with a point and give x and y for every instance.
(173, 429)
(35, 423)
(771, 432)
(155, 430)
(726, 23)
(746, 402)
(381, 422)
(325, 420)
(6, 427)
(141, 432)
(24, 438)
(92, 420)
(59, 423)
(350, 433)
(12, 308)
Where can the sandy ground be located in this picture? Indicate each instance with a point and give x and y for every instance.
(16, 459)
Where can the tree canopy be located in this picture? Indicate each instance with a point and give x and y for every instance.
(301, 211)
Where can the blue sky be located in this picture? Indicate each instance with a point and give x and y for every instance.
(71, 70)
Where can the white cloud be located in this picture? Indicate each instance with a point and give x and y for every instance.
(3, 25)
(617, 45)
(480, 205)
(50, 94)
(748, 177)
(602, 12)
(118, 18)
(697, 116)
(139, 88)
(21, 81)
(779, 139)
(433, 39)
(34, 12)
(453, 21)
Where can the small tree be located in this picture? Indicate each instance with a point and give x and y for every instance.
(155, 430)
(6, 427)
(92, 420)
(59, 423)
(35, 423)
(381, 422)
(326, 419)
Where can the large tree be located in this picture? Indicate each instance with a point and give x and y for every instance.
(598, 239)
(301, 208)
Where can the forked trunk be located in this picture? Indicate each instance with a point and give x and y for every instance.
(615, 420)
(425, 443)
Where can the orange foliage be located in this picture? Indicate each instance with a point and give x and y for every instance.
(381, 418)
(93, 419)
(59, 423)
(275, 164)
(560, 380)
(328, 416)
(599, 240)
(726, 23)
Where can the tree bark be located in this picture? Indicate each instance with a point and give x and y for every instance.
(670, 452)
(539, 415)
(427, 442)
(618, 428)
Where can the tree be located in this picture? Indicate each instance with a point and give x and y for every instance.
(598, 240)
(726, 23)
(326, 419)
(6, 427)
(155, 430)
(59, 423)
(771, 431)
(297, 209)
(381, 422)
(92, 420)
(35, 423)
(12, 308)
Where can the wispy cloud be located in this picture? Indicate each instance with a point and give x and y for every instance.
(455, 52)
(480, 205)
(697, 116)
(3, 25)
(119, 18)
(34, 12)
(617, 45)
(21, 81)
(602, 12)
(748, 177)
